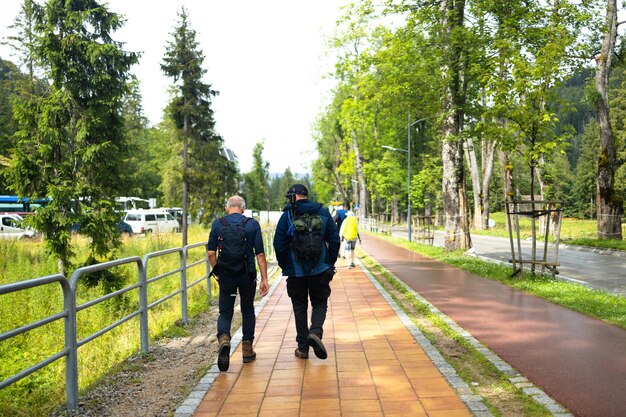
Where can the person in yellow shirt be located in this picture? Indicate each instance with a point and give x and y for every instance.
(349, 233)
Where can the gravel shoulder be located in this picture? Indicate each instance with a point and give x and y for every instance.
(155, 384)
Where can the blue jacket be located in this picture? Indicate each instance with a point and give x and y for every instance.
(283, 241)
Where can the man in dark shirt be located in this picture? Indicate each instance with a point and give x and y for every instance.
(306, 280)
(244, 283)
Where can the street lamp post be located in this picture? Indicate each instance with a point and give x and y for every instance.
(408, 152)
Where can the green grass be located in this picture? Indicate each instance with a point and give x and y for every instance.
(44, 391)
(607, 307)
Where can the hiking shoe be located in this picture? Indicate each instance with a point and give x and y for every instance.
(223, 356)
(318, 347)
(352, 265)
(247, 353)
(302, 354)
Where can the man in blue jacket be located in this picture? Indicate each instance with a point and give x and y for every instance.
(307, 278)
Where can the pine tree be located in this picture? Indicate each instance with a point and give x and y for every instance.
(70, 143)
(190, 109)
(256, 182)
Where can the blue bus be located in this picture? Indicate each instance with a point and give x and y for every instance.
(22, 206)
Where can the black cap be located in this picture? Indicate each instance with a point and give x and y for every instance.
(297, 189)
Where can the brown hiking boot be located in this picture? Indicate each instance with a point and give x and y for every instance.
(223, 352)
(302, 354)
(247, 352)
(318, 347)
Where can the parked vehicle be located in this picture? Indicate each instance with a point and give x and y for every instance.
(177, 213)
(125, 229)
(11, 227)
(151, 221)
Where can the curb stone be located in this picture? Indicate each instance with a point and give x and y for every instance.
(474, 402)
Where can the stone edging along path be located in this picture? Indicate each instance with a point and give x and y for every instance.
(517, 379)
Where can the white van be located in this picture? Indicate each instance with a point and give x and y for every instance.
(151, 221)
(11, 227)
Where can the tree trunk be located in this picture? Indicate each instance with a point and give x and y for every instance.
(509, 179)
(609, 203)
(480, 188)
(360, 178)
(456, 231)
(60, 266)
(452, 196)
(394, 211)
(185, 177)
(488, 151)
(471, 160)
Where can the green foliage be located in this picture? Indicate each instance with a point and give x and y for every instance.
(256, 182)
(586, 173)
(8, 73)
(70, 143)
(521, 82)
(44, 391)
(193, 124)
(279, 185)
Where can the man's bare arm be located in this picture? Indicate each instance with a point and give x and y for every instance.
(212, 258)
(264, 286)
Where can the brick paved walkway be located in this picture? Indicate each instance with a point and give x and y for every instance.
(375, 366)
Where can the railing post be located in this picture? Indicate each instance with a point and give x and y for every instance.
(143, 306)
(208, 275)
(183, 282)
(71, 361)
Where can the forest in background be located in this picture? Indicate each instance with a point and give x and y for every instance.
(73, 131)
(500, 100)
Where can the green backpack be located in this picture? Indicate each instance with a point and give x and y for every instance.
(308, 240)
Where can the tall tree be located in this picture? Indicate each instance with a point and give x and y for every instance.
(192, 98)
(70, 142)
(609, 202)
(256, 182)
(23, 41)
(452, 15)
(9, 79)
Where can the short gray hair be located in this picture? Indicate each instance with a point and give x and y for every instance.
(236, 201)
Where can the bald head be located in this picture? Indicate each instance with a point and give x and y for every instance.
(235, 204)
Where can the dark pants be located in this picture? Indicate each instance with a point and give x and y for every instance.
(300, 289)
(246, 286)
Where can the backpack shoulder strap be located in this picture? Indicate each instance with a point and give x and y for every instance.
(223, 221)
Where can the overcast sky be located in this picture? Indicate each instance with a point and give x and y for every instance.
(266, 59)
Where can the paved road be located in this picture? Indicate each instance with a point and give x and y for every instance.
(604, 270)
(577, 360)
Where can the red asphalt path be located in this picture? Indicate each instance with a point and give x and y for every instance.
(578, 361)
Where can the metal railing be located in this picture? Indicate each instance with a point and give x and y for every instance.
(268, 243)
(70, 308)
(369, 224)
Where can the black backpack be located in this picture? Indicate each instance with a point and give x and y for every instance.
(308, 241)
(338, 221)
(232, 244)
